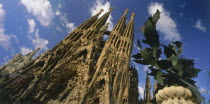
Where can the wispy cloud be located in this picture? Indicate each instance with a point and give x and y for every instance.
(25, 50)
(5, 39)
(2, 14)
(97, 6)
(200, 26)
(37, 41)
(166, 24)
(63, 17)
(32, 25)
(41, 9)
(204, 91)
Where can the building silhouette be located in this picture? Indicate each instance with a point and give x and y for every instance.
(81, 69)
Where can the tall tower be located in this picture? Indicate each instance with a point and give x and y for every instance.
(154, 89)
(80, 69)
(112, 77)
(82, 57)
(147, 89)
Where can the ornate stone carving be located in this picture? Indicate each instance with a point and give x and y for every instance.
(175, 95)
(78, 70)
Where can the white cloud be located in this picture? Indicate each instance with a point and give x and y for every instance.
(41, 9)
(165, 24)
(63, 17)
(204, 91)
(57, 13)
(141, 87)
(32, 25)
(25, 50)
(97, 6)
(58, 28)
(5, 39)
(200, 26)
(69, 26)
(37, 41)
(2, 14)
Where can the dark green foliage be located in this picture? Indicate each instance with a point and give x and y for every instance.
(147, 56)
(137, 56)
(168, 51)
(164, 64)
(158, 53)
(150, 33)
(174, 70)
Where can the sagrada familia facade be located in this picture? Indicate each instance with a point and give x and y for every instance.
(81, 69)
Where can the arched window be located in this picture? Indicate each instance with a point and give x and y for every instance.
(118, 43)
(77, 37)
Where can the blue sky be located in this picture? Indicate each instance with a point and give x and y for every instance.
(28, 24)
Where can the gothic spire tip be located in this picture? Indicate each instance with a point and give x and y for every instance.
(133, 14)
(101, 10)
(132, 17)
(125, 13)
(111, 9)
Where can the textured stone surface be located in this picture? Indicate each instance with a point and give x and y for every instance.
(81, 69)
(15, 65)
(147, 90)
(175, 95)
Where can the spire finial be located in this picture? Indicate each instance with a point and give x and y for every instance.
(132, 16)
(111, 9)
(125, 13)
(101, 10)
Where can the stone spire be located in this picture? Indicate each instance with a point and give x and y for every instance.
(31, 54)
(78, 32)
(125, 44)
(97, 40)
(129, 31)
(97, 25)
(17, 63)
(147, 88)
(154, 89)
(90, 21)
(102, 20)
(120, 26)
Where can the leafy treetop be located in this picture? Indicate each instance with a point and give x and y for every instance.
(174, 70)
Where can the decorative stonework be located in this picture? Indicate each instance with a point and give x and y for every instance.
(175, 95)
(81, 69)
